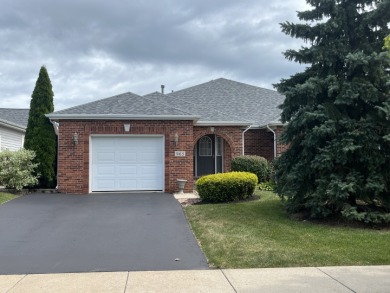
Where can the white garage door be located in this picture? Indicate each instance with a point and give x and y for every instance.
(127, 163)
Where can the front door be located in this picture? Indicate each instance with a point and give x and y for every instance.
(209, 155)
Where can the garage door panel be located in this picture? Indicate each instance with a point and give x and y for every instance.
(127, 163)
(105, 184)
(121, 143)
(105, 157)
(104, 170)
(148, 184)
(129, 148)
(127, 170)
(105, 143)
(126, 184)
(149, 157)
(127, 157)
(149, 171)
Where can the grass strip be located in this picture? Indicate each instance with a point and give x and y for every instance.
(259, 233)
(4, 197)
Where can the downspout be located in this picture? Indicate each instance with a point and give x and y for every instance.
(269, 128)
(243, 139)
(56, 126)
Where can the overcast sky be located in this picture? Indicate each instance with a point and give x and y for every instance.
(95, 49)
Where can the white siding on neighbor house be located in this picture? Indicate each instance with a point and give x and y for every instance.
(10, 139)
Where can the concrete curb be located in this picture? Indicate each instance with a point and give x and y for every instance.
(359, 279)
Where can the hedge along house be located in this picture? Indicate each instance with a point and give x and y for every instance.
(131, 143)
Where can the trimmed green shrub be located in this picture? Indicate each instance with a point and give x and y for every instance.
(253, 164)
(17, 168)
(225, 187)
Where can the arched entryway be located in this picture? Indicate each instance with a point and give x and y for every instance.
(209, 155)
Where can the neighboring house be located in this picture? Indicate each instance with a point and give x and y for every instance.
(13, 124)
(131, 142)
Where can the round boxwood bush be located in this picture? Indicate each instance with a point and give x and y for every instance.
(253, 164)
(225, 187)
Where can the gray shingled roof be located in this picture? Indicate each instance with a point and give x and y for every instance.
(235, 100)
(217, 101)
(125, 104)
(206, 114)
(17, 117)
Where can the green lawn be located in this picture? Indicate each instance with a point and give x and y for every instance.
(259, 234)
(4, 197)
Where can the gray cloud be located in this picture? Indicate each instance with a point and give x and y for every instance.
(94, 49)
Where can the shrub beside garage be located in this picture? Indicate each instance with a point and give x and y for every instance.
(17, 169)
(225, 187)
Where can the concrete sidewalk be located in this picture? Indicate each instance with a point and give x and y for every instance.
(316, 279)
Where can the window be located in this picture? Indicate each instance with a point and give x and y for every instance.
(205, 146)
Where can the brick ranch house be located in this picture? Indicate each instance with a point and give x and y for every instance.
(131, 142)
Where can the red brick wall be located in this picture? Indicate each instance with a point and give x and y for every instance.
(260, 142)
(73, 161)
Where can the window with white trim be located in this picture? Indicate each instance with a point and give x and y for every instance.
(205, 147)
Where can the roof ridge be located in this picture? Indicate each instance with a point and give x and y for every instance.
(174, 92)
(99, 100)
(251, 85)
(14, 108)
(154, 93)
(226, 79)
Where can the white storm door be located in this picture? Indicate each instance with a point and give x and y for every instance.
(127, 163)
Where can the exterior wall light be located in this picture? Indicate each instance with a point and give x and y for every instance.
(75, 138)
(127, 127)
(176, 139)
(212, 129)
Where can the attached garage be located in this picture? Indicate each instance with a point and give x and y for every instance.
(127, 163)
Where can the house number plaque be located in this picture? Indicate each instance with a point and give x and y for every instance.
(180, 153)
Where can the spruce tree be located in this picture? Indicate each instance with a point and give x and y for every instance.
(40, 136)
(337, 113)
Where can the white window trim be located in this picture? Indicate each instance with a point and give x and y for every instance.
(209, 146)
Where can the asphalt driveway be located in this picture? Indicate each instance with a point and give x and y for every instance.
(58, 233)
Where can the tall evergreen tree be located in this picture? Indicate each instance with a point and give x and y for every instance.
(338, 112)
(40, 136)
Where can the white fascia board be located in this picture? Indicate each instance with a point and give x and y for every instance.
(12, 125)
(119, 117)
(270, 124)
(222, 123)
